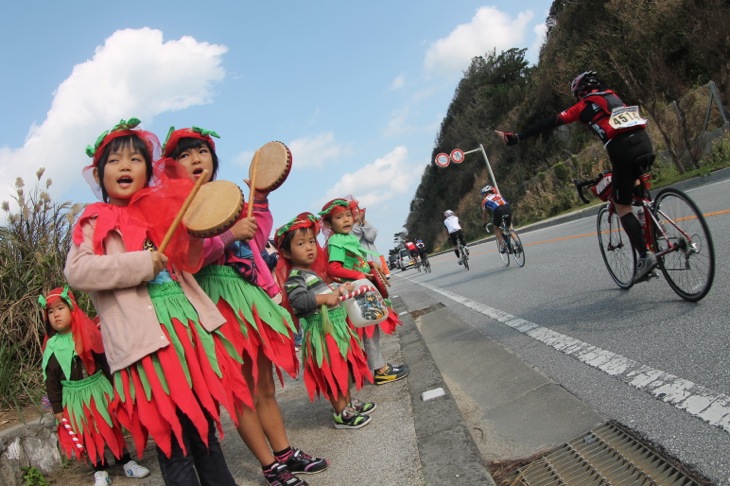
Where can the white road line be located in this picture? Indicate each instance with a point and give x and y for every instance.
(696, 400)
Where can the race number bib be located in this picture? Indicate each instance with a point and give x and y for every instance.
(626, 117)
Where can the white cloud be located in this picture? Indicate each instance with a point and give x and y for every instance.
(489, 29)
(540, 31)
(135, 73)
(315, 151)
(398, 82)
(375, 184)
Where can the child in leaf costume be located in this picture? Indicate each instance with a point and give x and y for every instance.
(331, 348)
(78, 388)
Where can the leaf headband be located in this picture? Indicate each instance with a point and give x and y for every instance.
(332, 205)
(64, 294)
(174, 136)
(303, 220)
(123, 125)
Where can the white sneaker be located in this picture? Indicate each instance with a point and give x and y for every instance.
(101, 478)
(644, 265)
(460, 261)
(134, 470)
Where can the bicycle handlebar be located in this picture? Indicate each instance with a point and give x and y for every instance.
(579, 185)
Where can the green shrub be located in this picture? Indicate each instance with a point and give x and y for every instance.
(34, 242)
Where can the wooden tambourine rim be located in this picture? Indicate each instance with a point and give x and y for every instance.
(379, 282)
(270, 161)
(207, 204)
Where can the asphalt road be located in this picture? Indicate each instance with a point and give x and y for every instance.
(649, 359)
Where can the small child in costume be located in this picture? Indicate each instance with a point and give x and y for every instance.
(332, 350)
(171, 366)
(78, 389)
(366, 233)
(239, 281)
(348, 261)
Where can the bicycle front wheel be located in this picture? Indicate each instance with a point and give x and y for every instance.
(517, 251)
(616, 249)
(688, 262)
(504, 256)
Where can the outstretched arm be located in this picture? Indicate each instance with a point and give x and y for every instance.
(511, 138)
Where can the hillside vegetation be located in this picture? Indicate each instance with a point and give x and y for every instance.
(662, 55)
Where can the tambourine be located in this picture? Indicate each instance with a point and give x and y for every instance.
(215, 208)
(379, 281)
(364, 304)
(272, 168)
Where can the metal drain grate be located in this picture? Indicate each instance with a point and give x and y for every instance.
(607, 455)
(426, 310)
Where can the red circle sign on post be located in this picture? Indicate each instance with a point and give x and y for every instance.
(457, 156)
(442, 160)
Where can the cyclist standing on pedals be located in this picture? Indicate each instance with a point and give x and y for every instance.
(623, 133)
(451, 223)
(493, 201)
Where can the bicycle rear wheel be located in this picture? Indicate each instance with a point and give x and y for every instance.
(517, 251)
(464, 256)
(427, 266)
(689, 265)
(616, 249)
(504, 256)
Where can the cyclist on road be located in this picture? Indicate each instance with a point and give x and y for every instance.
(455, 233)
(411, 247)
(421, 247)
(493, 201)
(623, 132)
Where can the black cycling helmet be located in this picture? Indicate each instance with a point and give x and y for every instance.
(584, 83)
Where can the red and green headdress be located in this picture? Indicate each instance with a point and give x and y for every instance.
(333, 207)
(122, 129)
(174, 136)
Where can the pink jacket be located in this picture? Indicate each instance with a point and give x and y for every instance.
(213, 249)
(117, 285)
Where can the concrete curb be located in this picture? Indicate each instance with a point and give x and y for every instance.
(448, 452)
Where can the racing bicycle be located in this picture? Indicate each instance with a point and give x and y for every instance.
(512, 243)
(674, 229)
(426, 264)
(464, 253)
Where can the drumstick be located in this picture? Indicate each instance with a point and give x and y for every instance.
(252, 182)
(181, 213)
(355, 293)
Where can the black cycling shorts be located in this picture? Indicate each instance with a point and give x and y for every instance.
(457, 234)
(499, 212)
(629, 153)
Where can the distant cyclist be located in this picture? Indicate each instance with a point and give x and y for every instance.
(623, 132)
(421, 247)
(493, 201)
(451, 222)
(411, 247)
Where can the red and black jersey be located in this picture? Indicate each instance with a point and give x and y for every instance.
(595, 111)
(603, 111)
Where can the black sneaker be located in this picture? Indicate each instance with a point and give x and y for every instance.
(350, 419)
(279, 475)
(363, 408)
(302, 463)
(391, 374)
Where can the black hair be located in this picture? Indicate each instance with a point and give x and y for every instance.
(187, 143)
(133, 141)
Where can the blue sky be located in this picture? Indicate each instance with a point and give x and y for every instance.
(356, 90)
